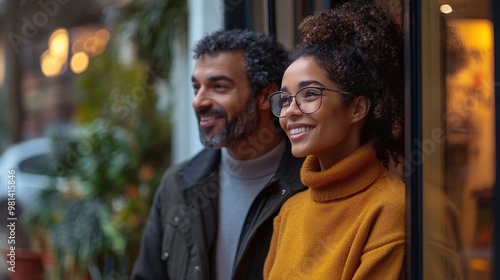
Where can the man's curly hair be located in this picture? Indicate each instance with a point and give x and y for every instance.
(265, 58)
(360, 46)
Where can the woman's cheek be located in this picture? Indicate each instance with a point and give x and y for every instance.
(283, 123)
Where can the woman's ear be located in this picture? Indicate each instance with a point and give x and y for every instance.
(264, 94)
(361, 106)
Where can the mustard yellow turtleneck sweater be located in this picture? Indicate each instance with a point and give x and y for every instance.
(349, 223)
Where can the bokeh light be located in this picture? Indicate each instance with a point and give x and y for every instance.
(79, 62)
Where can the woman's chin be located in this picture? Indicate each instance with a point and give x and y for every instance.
(298, 152)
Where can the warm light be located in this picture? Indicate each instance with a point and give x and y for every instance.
(96, 45)
(53, 60)
(77, 45)
(59, 43)
(103, 34)
(99, 47)
(89, 46)
(445, 9)
(479, 264)
(476, 33)
(50, 64)
(79, 62)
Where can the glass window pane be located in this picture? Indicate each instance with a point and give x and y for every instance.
(458, 144)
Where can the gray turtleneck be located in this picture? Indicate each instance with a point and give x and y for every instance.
(240, 183)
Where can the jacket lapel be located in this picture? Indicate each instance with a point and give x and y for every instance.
(199, 179)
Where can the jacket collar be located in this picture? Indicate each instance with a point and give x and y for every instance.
(199, 167)
(289, 170)
(206, 163)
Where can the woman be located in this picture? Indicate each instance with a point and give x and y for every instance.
(341, 105)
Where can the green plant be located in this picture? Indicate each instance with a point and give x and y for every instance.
(112, 165)
(155, 26)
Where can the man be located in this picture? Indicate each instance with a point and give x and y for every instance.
(212, 217)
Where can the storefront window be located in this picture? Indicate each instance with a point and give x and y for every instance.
(458, 139)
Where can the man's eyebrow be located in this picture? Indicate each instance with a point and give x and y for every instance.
(215, 79)
(220, 78)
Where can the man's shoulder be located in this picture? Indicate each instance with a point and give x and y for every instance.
(191, 170)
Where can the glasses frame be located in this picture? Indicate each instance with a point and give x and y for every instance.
(321, 89)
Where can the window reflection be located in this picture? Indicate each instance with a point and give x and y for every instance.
(469, 151)
(459, 172)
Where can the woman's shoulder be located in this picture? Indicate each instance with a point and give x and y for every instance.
(297, 200)
(389, 190)
(390, 183)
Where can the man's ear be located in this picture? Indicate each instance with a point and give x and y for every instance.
(361, 107)
(263, 94)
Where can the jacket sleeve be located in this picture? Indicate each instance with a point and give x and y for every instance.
(149, 264)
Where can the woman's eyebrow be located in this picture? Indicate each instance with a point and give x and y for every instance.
(308, 83)
(304, 84)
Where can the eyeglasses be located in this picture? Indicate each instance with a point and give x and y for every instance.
(308, 99)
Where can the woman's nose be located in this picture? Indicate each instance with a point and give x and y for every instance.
(293, 110)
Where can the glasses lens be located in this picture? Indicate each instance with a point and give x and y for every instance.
(279, 102)
(309, 99)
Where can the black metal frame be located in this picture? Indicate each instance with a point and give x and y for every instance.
(238, 14)
(495, 263)
(413, 124)
(271, 17)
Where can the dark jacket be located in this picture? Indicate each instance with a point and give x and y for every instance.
(179, 239)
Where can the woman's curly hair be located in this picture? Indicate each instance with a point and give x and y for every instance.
(360, 45)
(265, 58)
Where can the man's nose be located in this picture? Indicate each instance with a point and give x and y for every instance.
(201, 99)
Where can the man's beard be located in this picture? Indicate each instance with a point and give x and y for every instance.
(237, 130)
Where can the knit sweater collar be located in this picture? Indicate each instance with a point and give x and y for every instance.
(351, 175)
